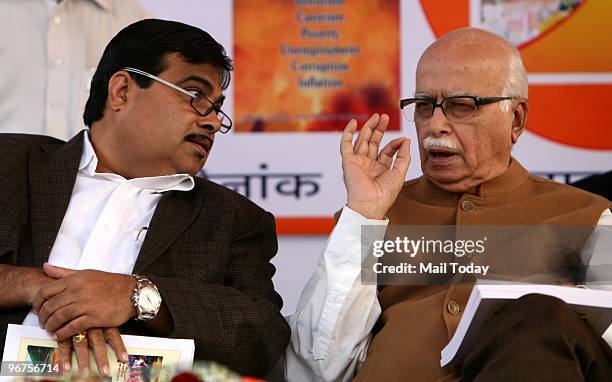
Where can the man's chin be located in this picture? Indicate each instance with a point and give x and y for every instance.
(444, 174)
(193, 169)
(448, 181)
(196, 172)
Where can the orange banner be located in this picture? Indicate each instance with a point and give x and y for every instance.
(565, 48)
(314, 65)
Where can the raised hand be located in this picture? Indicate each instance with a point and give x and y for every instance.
(373, 177)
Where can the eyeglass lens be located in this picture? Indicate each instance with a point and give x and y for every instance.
(454, 108)
(203, 106)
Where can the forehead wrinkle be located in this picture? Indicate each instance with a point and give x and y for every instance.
(451, 76)
(459, 93)
(421, 94)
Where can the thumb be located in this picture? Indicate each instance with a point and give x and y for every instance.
(56, 272)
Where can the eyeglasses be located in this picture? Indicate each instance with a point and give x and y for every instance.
(199, 102)
(456, 109)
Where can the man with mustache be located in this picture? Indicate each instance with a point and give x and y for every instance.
(112, 232)
(469, 109)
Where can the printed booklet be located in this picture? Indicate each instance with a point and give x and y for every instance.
(30, 352)
(488, 298)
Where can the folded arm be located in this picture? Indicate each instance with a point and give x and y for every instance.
(19, 285)
(235, 321)
(238, 322)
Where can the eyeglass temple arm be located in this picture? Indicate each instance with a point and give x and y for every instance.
(173, 86)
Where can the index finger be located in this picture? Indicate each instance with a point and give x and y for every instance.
(402, 160)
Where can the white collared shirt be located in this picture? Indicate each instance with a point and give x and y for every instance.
(330, 330)
(48, 55)
(108, 217)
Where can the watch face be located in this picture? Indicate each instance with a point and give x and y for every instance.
(149, 299)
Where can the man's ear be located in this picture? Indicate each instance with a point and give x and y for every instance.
(118, 89)
(519, 119)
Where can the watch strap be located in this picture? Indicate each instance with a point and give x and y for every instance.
(142, 282)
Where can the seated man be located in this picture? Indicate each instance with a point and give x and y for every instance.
(469, 108)
(112, 230)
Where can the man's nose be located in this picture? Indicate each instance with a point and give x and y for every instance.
(438, 123)
(210, 122)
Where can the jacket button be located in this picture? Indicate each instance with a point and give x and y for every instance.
(468, 205)
(453, 307)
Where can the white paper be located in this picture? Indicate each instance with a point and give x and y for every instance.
(170, 353)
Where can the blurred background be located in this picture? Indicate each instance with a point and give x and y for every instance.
(303, 68)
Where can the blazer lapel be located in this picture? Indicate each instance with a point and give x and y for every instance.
(175, 212)
(52, 173)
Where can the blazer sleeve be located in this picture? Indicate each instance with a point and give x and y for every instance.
(237, 323)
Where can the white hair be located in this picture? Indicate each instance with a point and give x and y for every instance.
(516, 80)
(443, 142)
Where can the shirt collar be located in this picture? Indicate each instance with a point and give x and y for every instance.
(89, 160)
(157, 184)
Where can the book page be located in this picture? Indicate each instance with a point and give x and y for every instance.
(30, 351)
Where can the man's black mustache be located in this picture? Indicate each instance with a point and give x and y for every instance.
(200, 139)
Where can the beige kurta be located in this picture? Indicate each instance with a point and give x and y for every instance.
(418, 321)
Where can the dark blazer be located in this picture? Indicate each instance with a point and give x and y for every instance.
(600, 184)
(207, 250)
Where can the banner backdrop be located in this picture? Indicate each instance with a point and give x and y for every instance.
(305, 67)
(309, 68)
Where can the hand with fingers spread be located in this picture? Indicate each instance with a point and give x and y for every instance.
(96, 340)
(73, 302)
(373, 177)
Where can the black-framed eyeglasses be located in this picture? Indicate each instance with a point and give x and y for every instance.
(199, 102)
(456, 108)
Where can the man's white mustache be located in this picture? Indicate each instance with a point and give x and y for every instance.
(442, 142)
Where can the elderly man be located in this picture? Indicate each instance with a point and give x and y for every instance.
(111, 230)
(470, 107)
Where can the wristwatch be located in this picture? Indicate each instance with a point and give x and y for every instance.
(146, 298)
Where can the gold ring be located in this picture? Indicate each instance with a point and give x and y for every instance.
(78, 338)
